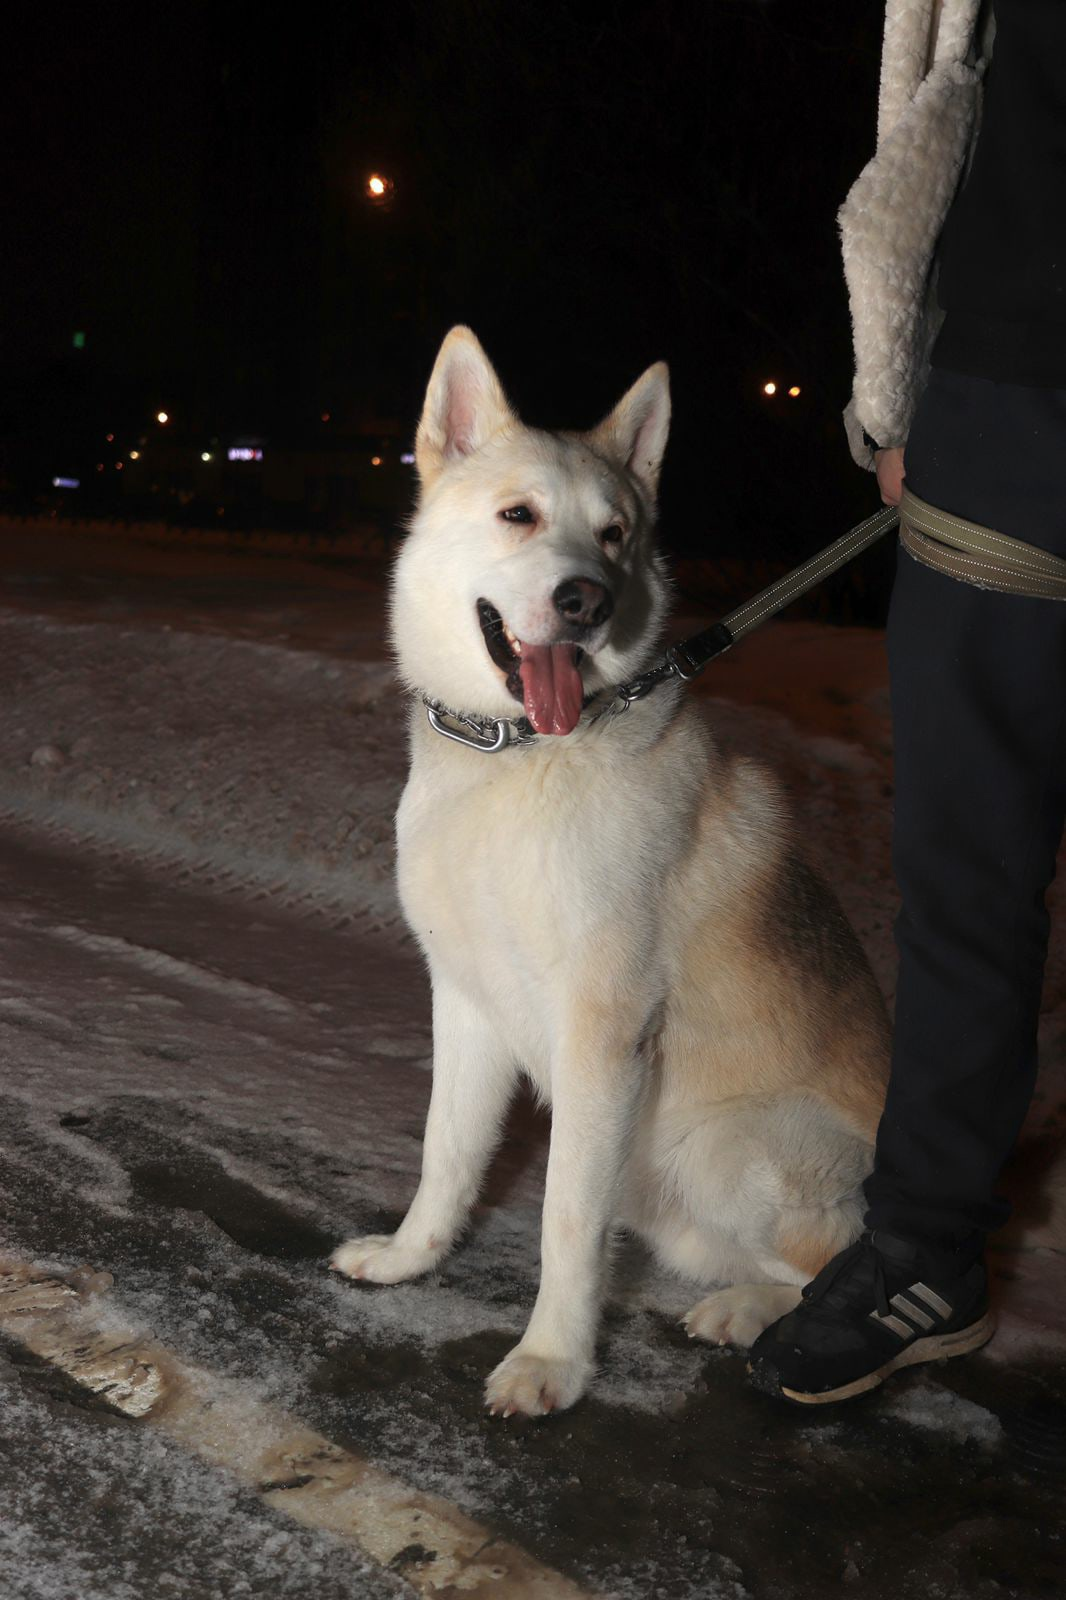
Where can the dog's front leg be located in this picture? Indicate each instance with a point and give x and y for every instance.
(594, 1102)
(473, 1077)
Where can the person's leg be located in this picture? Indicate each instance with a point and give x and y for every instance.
(979, 710)
(979, 719)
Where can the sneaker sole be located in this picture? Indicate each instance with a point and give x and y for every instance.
(940, 1347)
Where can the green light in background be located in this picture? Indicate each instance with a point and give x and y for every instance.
(79, 341)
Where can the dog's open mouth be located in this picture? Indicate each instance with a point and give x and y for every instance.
(545, 677)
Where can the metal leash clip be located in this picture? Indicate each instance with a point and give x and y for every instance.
(473, 739)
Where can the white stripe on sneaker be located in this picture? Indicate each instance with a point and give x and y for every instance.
(931, 1298)
(895, 1324)
(921, 1319)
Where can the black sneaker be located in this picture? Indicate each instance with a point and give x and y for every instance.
(882, 1304)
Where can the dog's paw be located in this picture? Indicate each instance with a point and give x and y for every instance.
(535, 1385)
(739, 1315)
(377, 1258)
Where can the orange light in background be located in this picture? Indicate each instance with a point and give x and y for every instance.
(110, 438)
(378, 188)
(769, 388)
(118, 466)
(375, 461)
(794, 391)
(162, 416)
(135, 455)
(325, 416)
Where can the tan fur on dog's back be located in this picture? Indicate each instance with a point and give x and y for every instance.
(772, 985)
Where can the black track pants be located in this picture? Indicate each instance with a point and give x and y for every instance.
(979, 715)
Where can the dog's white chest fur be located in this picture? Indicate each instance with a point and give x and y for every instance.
(516, 871)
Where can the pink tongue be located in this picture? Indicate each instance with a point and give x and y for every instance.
(551, 686)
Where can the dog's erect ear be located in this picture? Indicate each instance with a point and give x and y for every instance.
(465, 405)
(635, 432)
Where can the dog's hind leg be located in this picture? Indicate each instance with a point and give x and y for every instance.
(805, 1240)
(473, 1076)
(738, 1315)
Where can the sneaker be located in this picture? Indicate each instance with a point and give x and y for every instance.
(882, 1304)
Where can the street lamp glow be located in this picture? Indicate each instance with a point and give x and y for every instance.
(135, 455)
(769, 388)
(378, 189)
(375, 461)
(794, 391)
(162, 416)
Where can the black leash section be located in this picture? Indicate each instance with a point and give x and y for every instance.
(687, 658)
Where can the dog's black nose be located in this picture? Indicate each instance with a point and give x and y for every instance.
(583, 601)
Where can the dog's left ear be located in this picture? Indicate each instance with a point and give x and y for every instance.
(465, 405)
(635, 432)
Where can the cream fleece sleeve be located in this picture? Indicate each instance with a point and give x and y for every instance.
(893, 214)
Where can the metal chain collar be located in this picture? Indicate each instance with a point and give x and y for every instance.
(685, 660)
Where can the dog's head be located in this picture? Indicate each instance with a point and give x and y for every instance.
(529, 573)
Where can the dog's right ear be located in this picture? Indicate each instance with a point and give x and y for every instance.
(465, 405)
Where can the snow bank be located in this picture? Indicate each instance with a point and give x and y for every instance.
(240, 760)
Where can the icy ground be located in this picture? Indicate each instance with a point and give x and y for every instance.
(216, 1043)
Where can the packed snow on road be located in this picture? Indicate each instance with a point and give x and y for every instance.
(217, 1061)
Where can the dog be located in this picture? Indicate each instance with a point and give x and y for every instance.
(615, 907)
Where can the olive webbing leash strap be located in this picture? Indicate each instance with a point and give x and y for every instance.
(691, 655)
(977, 555)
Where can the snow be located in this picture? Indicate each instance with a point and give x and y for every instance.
(927, 1406)
(217, 1041)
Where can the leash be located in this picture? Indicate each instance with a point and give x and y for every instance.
(977, 555)
(950, 545)
(684, 660)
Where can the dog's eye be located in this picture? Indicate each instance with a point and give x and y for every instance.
(611, 535)
(517, 514)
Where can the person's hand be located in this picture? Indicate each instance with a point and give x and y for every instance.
(889, 465)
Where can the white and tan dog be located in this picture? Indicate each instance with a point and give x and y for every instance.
(616, 909)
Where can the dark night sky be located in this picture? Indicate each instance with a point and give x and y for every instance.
(590, 187)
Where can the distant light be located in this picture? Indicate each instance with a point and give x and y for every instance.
(375, 461)
(205, 455)
(162, 416)
(769, 388)
(110, 438)
(66, 483)
(118, 466)
(408, 458)
(135, 455)
(78, 341)
(243, 452)
(99, 466)
(325, 416)
(379, 189)
(794, 391)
